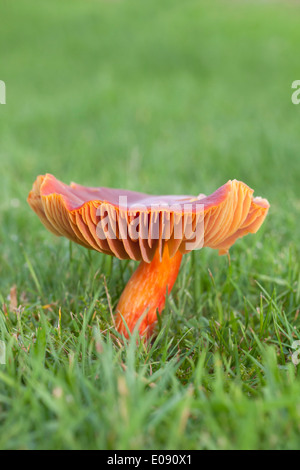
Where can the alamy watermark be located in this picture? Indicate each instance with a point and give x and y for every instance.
(159, 220)
(296, 95)
(296, 354)
(2, 92)
(2, 353)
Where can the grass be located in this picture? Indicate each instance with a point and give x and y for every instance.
(158, 97)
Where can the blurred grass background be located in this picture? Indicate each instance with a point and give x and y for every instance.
(160, 97)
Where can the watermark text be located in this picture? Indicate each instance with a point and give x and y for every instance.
(2, 353)
(296, 354)
(296, 95)
(157, 221)
(2, 92)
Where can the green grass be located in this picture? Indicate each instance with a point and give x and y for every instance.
(160, 97)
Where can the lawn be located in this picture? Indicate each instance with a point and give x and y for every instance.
(164, 97)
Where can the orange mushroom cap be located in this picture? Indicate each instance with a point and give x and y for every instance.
(150, 229)
(76, 212)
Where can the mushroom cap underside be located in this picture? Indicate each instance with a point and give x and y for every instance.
(131, 225)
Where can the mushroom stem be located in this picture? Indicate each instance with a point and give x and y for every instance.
(145, 293)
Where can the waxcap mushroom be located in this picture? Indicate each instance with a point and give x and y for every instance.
(156, 230)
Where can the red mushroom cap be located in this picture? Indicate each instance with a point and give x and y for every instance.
(98, 218)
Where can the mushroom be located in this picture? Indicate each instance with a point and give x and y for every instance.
(155, 230)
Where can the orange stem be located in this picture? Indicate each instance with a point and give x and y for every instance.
(145, 293)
